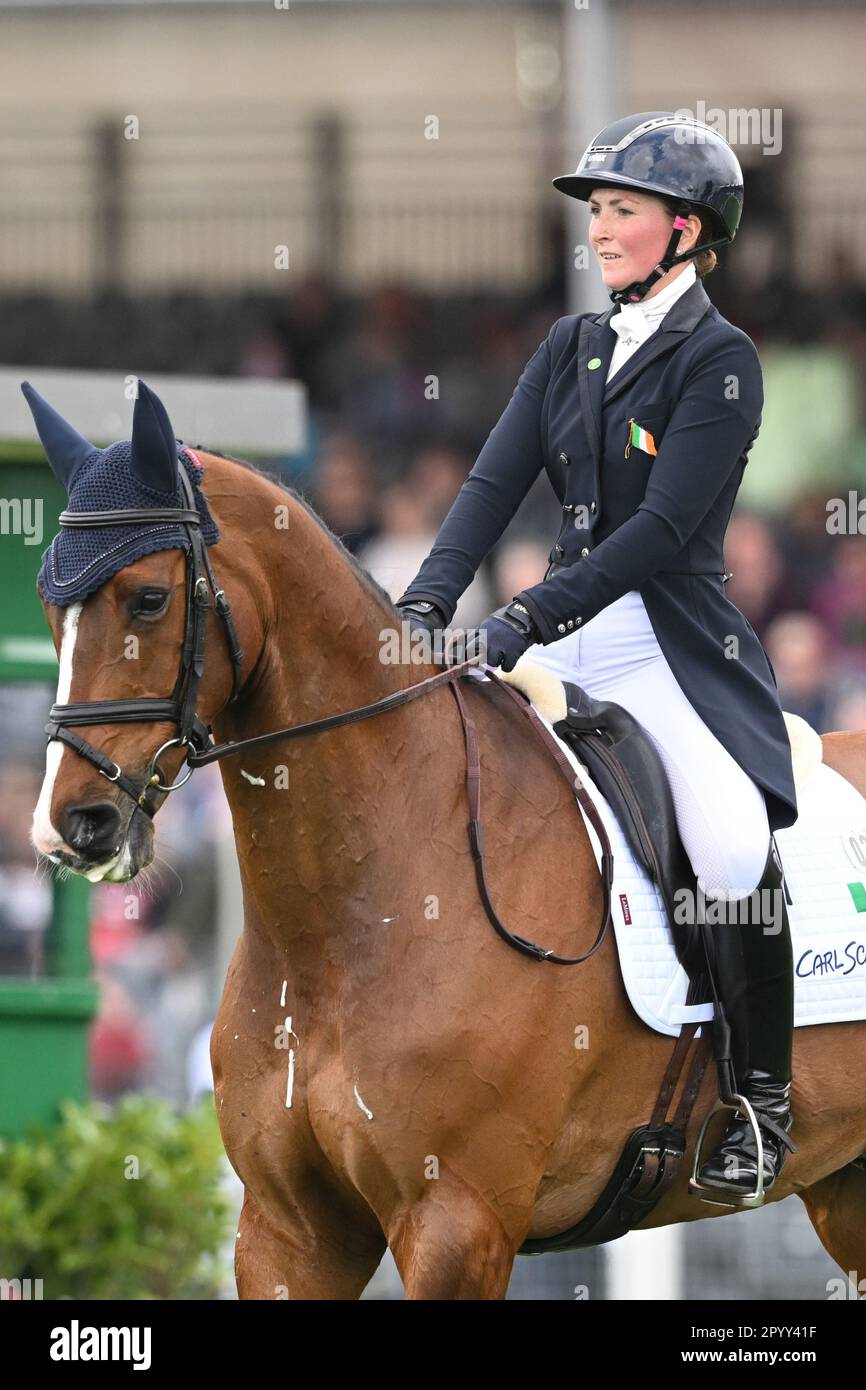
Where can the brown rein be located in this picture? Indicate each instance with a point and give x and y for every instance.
(197, 758)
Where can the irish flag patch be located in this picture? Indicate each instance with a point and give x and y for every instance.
(640, 439)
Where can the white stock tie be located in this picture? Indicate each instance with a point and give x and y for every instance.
(631, 325)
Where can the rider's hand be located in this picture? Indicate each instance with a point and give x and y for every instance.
(421, 614)
(506, 635)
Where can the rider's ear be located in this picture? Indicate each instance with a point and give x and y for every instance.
(154, 447)
(64, 447)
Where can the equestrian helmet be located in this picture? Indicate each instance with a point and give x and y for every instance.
(672, 155)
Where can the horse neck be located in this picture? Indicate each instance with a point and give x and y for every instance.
(323, 644)
(325, 802)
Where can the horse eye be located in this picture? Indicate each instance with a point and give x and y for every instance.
(149, 601)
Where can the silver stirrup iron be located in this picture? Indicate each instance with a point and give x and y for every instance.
(750, 1199)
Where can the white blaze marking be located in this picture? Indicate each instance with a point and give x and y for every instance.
(43, 834)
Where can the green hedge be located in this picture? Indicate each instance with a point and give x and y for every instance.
(126, 1203)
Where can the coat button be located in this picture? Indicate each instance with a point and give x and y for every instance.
(560, 627)
(570, 624)
(585, 552)
(558, 551)
(593, 507)
(564, 460)
(578, 621)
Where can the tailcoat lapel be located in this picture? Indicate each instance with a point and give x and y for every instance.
(597, 340)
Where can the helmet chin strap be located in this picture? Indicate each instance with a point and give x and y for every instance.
(634, 293)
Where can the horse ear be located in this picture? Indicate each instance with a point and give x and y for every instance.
(154, 447)
(64, 447)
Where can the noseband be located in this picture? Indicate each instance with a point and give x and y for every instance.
(180, 707)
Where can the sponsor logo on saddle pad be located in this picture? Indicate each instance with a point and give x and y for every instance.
(837, 961)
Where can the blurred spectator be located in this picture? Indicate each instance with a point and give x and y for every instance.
(437, 476)
(518, 565)
(26, 896)
(119, 915)
(840, 600)
(805, 545)
(265, 354)
(797, 647)
(166, 994)
(405, 541)
(119, 1043)
(343, 492)
(755, 565)
(478, 373)
(313, 322)
(848, 714)
(377, 375)
(843, 293)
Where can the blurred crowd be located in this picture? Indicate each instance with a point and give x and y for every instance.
(403, 391)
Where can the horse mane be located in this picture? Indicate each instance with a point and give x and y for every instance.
(370, 584)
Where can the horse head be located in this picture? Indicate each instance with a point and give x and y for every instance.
(126, 588)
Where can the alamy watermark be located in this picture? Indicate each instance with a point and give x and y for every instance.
(846, 516)
(22, 516)
(413, 645)
(14, 1290)
(764, 907)
(754, 125)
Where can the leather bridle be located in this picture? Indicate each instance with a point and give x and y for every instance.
(180, 707)
(194, 736)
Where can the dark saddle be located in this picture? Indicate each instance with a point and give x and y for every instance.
(625, 765)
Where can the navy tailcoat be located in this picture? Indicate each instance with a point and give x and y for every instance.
(634, 520)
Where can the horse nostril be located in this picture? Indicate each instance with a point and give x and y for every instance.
(92, 830)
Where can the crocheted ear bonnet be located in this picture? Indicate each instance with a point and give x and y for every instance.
(140, 472)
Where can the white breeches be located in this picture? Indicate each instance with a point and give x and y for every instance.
(721, 813)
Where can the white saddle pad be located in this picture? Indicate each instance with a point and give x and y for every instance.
(824, 859)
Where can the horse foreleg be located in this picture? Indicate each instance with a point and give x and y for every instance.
(837, 1209)
(451, 1245)
(298, 1261)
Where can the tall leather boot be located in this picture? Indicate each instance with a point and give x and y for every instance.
(755, 976)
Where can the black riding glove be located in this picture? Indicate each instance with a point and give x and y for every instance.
(507, 633)
(421, 614)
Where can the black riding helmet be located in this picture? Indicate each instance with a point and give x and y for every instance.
(675, 157)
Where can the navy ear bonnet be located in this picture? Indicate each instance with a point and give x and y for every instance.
(141, 472)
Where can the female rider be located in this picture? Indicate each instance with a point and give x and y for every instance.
(643, 418)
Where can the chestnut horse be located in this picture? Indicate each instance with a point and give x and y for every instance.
(387, 1070)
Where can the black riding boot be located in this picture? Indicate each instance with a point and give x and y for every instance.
(755, 977)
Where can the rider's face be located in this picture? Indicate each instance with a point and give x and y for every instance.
(629, 233)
